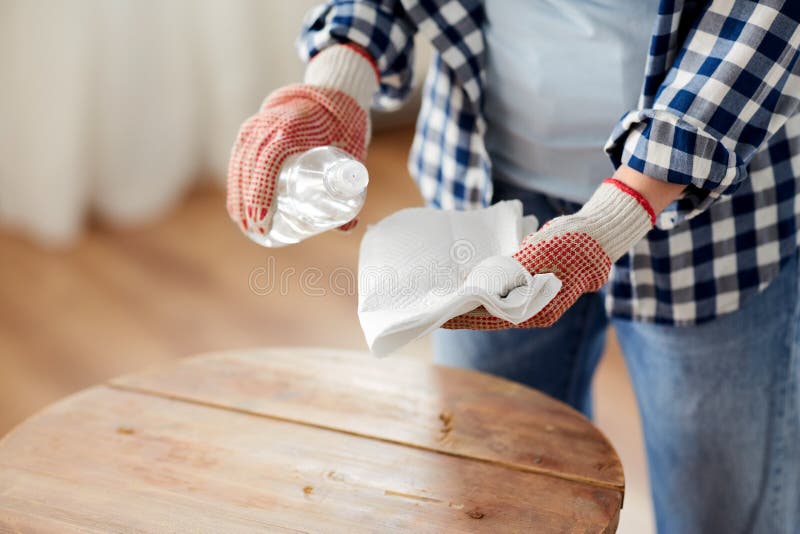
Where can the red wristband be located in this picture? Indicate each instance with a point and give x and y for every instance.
(635, 194)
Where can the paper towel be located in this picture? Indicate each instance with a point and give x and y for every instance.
(420, 267)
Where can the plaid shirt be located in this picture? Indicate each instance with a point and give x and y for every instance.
(717, 112)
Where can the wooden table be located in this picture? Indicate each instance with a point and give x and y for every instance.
(308, 440)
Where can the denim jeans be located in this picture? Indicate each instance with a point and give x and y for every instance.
(720, 402)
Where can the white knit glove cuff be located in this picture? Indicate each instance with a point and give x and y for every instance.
(340, 67)
(616, 216)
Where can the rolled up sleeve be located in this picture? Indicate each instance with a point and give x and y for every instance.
(381, 27)
(733, 83)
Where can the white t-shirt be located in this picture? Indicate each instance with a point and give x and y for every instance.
(560, 74)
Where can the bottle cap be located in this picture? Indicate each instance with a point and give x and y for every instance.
(348, 177)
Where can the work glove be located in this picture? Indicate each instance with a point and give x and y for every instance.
(579, 249)
(330, 108)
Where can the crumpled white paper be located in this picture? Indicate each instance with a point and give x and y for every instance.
(420, 267)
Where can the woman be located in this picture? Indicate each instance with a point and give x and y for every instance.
(699, 218)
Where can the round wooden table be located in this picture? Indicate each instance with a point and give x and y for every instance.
(308, 440)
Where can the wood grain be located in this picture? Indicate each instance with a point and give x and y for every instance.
(455, 411)
(112, 460)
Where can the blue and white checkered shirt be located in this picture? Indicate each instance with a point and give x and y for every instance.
(717, 112)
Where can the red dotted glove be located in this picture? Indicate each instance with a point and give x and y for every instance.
(331, 108)
(579, 249)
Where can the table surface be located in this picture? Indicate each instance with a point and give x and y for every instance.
(308, 440)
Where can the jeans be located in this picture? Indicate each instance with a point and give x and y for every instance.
(719, 402)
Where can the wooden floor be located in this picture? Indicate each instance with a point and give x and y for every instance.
(121, 300)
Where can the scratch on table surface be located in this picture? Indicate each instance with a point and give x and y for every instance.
(411, 496)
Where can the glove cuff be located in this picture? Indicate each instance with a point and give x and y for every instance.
(616, 217)
(346, 68)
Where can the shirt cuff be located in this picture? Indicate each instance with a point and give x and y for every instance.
(664, 146)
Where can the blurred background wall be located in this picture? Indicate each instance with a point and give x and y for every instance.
(116, 119)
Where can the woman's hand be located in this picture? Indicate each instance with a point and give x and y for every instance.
(331, 108)
(580, 248)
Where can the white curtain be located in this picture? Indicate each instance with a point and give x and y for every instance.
(113, 107)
